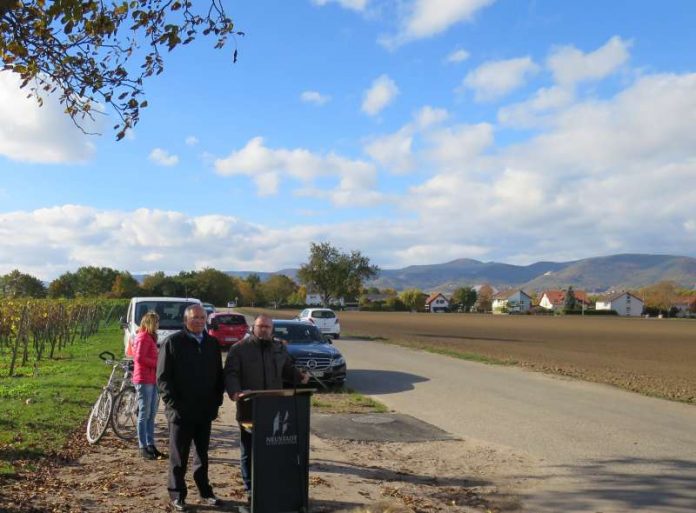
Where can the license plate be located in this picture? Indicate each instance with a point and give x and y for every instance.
(318, 374)
(230, 339)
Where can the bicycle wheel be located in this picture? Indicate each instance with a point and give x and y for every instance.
(99, 417)
(124, 418)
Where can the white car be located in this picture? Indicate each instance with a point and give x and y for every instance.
(323, 318)
(169, 309)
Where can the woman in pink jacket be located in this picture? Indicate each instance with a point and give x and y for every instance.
(145, 381)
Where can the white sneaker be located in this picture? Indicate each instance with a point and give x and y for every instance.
(211, 500)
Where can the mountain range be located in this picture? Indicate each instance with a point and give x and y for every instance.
(597, 274)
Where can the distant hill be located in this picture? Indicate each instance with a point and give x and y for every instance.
(597, 274)
(620, 272)
(593, 274)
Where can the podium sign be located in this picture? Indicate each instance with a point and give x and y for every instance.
(280, 451)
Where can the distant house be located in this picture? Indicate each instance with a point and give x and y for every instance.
(555, 299)
(436, 302)
(314, 299)
(623, 303)
(511, 301)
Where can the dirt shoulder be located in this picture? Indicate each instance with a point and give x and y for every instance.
(450, 475)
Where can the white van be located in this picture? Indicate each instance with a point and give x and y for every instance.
(169, 309)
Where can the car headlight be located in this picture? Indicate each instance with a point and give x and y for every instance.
(338, 361)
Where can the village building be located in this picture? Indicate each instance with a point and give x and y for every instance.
(437, 302)
(623, 303)
(511, 301)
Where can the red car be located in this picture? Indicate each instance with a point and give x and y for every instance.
(228, 328)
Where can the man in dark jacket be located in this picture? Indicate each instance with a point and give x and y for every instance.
(191, 385)
(259, 362)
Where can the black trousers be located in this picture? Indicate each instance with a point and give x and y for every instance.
(180, 437)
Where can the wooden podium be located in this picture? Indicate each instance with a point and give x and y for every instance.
(280, 450)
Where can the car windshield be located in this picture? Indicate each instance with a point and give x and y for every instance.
(323, 314)
(230, 320)
(298, 334)
(171, 313)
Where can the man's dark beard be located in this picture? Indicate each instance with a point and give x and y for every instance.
(265, 340)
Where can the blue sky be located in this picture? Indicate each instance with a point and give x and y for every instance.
(414, 131)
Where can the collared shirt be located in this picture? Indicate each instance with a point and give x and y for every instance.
(197, 337)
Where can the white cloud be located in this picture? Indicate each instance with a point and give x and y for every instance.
(429, 116)
(457, 146)
(394, 151)
(457, 56)
(30, 133)
(649, 122)
(163, 157)
(530, 112)
(315, 97)
(191, 140)
(355, 5)
(594, 181)
(570, 65)
(494, 79)
(426, 18)
(379, 95)
(266, 166)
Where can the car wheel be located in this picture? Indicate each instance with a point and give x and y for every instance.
(336, 336)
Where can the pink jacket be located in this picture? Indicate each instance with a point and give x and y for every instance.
(145, 359)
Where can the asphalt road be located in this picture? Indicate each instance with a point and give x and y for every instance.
(599, 449)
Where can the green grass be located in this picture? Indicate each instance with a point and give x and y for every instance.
(345, 400)
(473, 357)
(38, 412)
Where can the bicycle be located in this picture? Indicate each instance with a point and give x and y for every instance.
(117, 404)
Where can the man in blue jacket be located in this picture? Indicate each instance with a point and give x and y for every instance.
(191, 384)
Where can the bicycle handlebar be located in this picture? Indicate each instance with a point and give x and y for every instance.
(103, 355)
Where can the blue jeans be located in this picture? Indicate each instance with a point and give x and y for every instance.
(148, 401)
(245, 457)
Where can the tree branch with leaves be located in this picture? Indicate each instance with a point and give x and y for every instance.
(84, 50)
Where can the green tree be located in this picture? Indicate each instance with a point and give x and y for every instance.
(395, 304)
(277, 289)
(570, 302)
(299, 297)
(125, 286)
(63, 286)
(84, 49)
(465, 297)
(413, 299)
(93, 281)
(16, 284)
(333, 274)
(158, 284)
(251, 290)
(214, 286)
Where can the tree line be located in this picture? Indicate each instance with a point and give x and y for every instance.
(329, 272)
(209, 285)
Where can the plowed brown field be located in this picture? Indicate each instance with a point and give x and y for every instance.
(651, 356)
